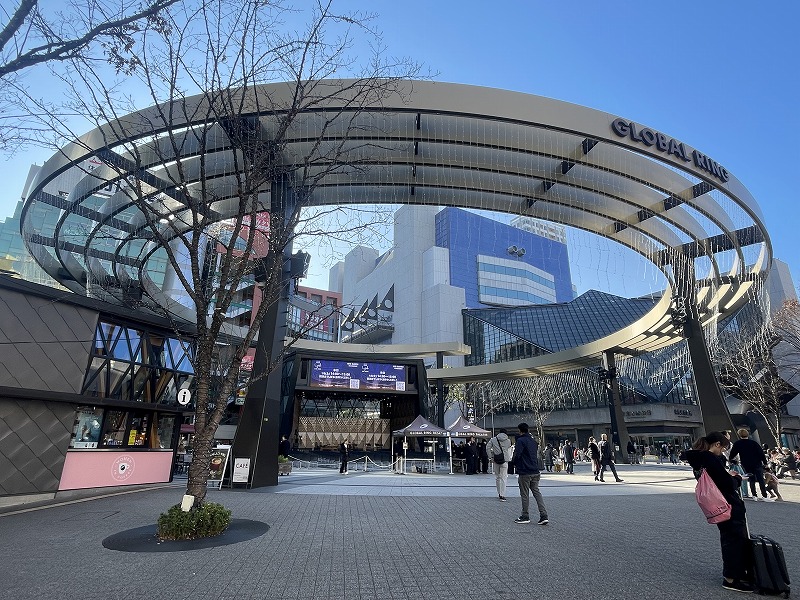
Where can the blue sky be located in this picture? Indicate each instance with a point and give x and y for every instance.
(722, 76)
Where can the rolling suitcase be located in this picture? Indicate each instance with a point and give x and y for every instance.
(769, 567)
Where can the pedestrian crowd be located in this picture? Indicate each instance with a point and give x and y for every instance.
(762, 466)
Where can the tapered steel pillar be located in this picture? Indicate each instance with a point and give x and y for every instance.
(619, 430)
(257, 434)
(440, 392)
(686, 314)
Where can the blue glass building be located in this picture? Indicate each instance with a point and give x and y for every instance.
(501, 265)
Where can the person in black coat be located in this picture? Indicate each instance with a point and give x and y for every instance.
(471, 452)
(737, 556)
(483, 456)
(569, 457)
(284, 447)
(632, 458)
(344, 455)
(594, 455)
(607, 458)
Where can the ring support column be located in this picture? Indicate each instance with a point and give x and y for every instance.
(686, 314)
(440, 392)
(619, 430)
(257, 434)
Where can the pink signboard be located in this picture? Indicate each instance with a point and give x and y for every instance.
(103, 468)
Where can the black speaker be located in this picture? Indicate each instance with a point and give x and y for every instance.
(304, 369)
(386, 409)
(412, 375)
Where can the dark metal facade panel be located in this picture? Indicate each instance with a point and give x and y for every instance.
(34, 437)
(44, 344)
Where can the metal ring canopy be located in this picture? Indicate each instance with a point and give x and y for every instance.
(428, 143)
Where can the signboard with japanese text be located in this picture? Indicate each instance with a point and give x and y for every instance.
(357, 375)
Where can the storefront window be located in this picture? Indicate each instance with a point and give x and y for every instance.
(114, 428)
(122, 429)
(86, 433)
(137, 435)
(163, 434)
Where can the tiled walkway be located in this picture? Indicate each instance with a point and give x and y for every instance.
(384, 536)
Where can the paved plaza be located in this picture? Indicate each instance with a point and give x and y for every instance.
(379, 535)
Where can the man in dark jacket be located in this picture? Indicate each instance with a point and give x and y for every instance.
(569, 457)
(471, 453)
(607, 458)
(344, 455)
(483, 457)
(526, 464)
(753, 460)
(284, 447)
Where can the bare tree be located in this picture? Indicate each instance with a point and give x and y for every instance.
(748, 372)
(32, 35)
(457, 397)
(538, 395)
(223, 173)
(531, 398)
(786, 324)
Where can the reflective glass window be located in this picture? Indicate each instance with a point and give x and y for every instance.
(114, 427)
(87, 430)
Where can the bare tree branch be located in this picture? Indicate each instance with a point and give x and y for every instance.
(745, 358)
(108, 25)
(223, 200)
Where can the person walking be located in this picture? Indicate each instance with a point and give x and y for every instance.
(737, 557)
(607, 458)
(500, 445)
(753, 460)
(344, 455)
(526, 464)
(569, 457)
(594, 456)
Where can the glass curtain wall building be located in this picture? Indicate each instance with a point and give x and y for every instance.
(500, 265)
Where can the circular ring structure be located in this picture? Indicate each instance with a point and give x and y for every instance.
(423, 142)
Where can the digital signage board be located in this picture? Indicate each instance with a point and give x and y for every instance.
(357, 375)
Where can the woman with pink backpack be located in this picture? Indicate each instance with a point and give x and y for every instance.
(707, 461)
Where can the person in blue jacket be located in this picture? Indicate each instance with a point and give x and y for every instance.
(526, 465)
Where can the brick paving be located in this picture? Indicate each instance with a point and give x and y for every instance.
(379, 535)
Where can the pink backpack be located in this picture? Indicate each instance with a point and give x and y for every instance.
(711, 501)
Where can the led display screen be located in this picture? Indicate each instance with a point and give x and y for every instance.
(357, 375)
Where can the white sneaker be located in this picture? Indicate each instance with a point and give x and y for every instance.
(757, 498)
(768, 500)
